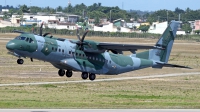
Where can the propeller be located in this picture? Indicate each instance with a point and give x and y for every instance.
(44, 35)
(81, 40)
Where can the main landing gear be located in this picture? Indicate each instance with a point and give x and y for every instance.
(92, 76)
(68, 73)
(84, 75)
(20, 61)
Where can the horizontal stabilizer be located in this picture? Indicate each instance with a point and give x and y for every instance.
(172, 65)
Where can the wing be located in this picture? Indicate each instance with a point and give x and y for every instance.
(124, 47)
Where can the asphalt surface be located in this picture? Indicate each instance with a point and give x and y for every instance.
(102, 80)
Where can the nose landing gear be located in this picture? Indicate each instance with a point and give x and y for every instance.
(20, 61)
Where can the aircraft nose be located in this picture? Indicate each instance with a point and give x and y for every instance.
(10, 45)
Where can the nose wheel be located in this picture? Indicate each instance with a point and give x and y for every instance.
(20, 61)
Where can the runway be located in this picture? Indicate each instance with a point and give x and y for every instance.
(102, 80)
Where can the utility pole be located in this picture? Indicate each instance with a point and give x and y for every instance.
(167, 16)
(110, 14)
(158, 18)
(122, 5)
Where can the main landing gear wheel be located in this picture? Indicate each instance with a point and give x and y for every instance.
(92, 76)
(20, 61)
(69, 73)
(61, 72)
(84, 75)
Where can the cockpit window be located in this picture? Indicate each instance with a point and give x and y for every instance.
(20, 38)
(31, 40)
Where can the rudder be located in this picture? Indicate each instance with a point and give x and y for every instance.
(165, 43)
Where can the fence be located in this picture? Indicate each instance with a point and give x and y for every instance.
(96, 33)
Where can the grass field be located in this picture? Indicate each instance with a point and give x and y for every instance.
(170, 92)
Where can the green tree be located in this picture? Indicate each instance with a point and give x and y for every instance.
(186, 27)
(197, 32)
(144, 28)
(96, 22)
(59, 9)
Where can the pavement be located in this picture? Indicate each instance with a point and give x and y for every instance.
(102, 80)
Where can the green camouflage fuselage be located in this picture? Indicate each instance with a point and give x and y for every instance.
(66, 54)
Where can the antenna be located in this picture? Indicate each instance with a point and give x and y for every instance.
(69, 3)
(122, 5)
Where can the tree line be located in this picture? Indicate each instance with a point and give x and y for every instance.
(95, 33)
(97, 11)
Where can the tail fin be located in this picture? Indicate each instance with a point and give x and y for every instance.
(166, 42)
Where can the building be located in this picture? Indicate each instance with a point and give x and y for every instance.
(192, 24)
(5, 10)
(133, 25)
(119, 23)
(55, 24)
(197, 25)
(158, 28)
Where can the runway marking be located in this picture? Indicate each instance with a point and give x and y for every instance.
(101, 80)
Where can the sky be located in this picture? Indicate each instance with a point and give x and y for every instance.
(143, 5)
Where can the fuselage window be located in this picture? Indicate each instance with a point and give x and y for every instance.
(80, 55)
(63, 50)
(70, 52)
(55, 49)
(59, 50)
(27, 39)
(52, 48)
(93, 58)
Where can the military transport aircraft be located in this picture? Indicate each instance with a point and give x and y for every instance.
(90, 57)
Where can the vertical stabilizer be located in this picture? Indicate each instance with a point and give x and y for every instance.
(166, 42)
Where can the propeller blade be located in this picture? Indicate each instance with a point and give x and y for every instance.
(41, 29)
(46, 34)
(84, 35)
(77, 33)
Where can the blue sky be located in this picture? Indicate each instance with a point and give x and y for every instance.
(144, 5)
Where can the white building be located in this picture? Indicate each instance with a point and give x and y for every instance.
(111, 28)
(5, 10)
(158, 28)
(55, 24)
